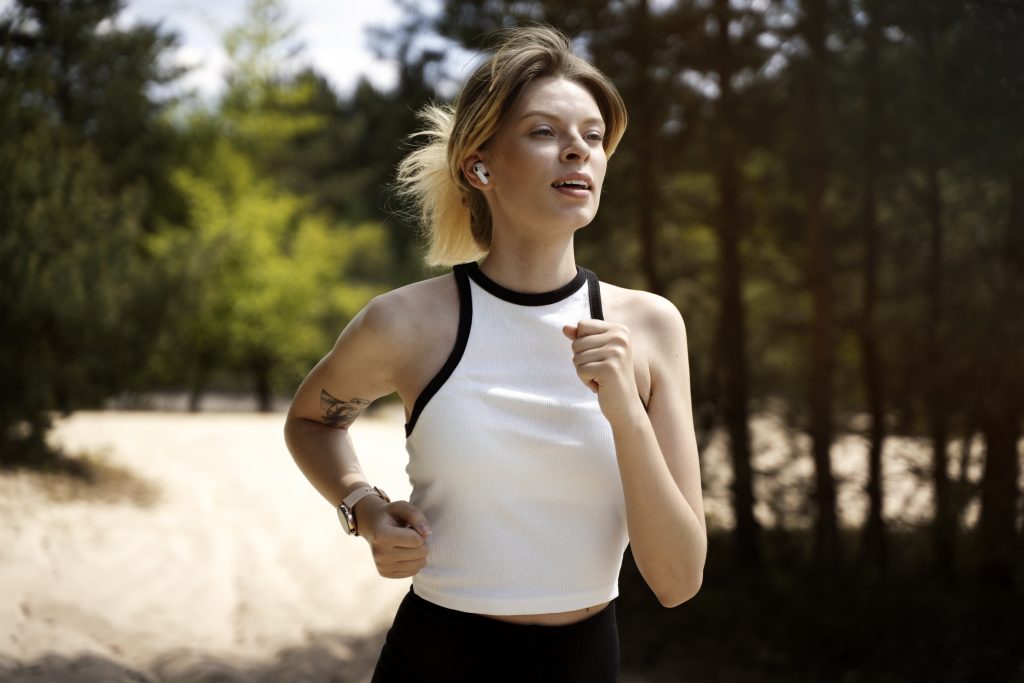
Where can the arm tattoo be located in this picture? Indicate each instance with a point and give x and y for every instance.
(341, 414)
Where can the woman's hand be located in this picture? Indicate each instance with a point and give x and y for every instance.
(603, 356)
(397, 533)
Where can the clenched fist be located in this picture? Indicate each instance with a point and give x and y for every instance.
(603, 356)
(397, 533)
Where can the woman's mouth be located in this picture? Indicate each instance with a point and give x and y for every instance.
(573, 187)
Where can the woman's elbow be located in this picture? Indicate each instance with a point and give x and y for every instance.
(680, 593)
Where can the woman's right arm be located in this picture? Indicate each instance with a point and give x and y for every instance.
(357, 371)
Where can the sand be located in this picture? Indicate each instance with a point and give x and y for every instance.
(223, 563)
(203, 554)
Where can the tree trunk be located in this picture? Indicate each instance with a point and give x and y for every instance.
(1015, 227)
(943, 527)
(261, 377)
(1003, 415)
(962, 491)
(648, 170)
(198, 386)
(874, 549)
(826, 537)
(999, 494)
(23, 443)
(732, 328)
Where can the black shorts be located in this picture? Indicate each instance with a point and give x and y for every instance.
(432, 644)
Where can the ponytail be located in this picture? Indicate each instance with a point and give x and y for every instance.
(455, 218)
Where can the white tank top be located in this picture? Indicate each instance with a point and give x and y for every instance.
(512, 461)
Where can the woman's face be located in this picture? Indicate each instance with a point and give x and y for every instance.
(546, 162)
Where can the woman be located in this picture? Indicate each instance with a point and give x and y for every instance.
(548, 414)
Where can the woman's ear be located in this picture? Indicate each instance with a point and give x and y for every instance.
(475, 169)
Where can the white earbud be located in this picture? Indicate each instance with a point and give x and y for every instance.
(481, 172)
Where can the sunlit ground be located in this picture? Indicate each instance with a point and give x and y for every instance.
(784, 475)
(198, 552)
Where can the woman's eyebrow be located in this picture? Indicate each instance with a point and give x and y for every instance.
(547, 114)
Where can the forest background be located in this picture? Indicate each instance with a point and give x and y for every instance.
(831, 192)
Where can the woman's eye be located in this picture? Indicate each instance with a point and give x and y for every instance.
(595, 136)
(543, 131)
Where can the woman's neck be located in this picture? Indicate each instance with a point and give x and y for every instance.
(529, 266)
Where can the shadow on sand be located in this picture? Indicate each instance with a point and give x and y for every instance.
(87, 476)
(328, 659)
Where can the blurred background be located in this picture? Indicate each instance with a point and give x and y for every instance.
(195, 201)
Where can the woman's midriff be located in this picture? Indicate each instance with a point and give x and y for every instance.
(551, 619)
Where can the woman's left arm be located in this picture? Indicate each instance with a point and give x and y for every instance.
(656, 448)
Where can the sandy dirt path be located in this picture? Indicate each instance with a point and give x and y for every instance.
(205, 555)
(238, 570)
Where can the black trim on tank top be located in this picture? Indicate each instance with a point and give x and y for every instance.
(594, 289)
(596, 309)
(461, 338)
(525, 298)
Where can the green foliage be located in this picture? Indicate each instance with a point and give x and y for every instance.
(264, 280)
(347, 165)
(261, 47)
(73, 287)
(66, 62)
(80, 159)
(265, 107)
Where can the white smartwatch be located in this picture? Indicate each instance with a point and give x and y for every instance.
(346, 511)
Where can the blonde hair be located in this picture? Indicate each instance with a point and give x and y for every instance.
(455, 217)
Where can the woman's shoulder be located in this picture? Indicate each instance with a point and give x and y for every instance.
(406, 311)
(637, 308)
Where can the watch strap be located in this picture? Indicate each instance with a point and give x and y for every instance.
(346, 511)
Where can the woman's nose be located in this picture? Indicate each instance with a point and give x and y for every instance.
(576, 149)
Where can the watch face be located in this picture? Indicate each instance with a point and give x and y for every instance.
(347, 519)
